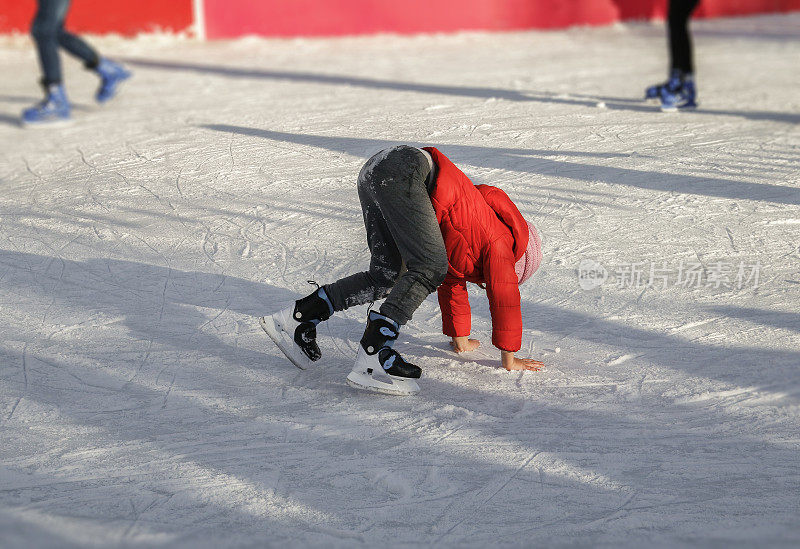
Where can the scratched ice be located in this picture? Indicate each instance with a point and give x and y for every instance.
(142, 405)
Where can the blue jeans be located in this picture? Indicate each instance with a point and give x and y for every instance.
(48, 32)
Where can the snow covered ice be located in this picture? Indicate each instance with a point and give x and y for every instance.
(142, 405)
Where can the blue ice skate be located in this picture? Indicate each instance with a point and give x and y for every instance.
(54, 109)
(680, 98)
(112, 75)
(673, 82)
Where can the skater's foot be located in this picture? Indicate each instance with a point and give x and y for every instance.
(111, 76)
(54, 109)
(294, 330)
(682, 97)
(655, 92)
(378, 367)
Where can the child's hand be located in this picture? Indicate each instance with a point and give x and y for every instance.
(510, 362)
(464, 344)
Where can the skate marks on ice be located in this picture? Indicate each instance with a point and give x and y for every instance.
(154, 304)
(537, 162)
(240, 450)
(477, 463)
(203, 465)
(157, 413)
(728, 363)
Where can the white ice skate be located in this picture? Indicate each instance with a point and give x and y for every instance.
(379, 368)
(281, 328)
(294, 330)
(369, 375)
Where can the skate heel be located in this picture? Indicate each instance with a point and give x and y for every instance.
(280, 327)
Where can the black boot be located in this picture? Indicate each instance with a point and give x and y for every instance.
(378, 338)
(308, 312)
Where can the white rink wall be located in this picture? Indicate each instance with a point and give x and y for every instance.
(141, 405)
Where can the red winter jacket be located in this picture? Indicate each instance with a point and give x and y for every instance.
(485, 235)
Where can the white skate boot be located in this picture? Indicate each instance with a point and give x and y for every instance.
(294, 330)
(379, 368)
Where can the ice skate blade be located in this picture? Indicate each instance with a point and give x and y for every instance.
(275, 327)
(399, 386)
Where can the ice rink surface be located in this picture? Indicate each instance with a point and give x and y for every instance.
(141, 405)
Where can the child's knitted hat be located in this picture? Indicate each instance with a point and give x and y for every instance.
(532, 257)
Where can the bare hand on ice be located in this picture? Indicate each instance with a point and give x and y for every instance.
(512, 363)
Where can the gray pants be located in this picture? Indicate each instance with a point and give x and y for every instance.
(409, 260)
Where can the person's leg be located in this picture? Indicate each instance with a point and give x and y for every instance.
(296, 328)
(679, 92)
(385, 260)
(680, 42)
(45, 28)
(111, 74)
(402, 230)
(45, 31)
(680, 52)
(398, 184)
(77, 47)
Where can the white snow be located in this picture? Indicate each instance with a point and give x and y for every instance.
(142, 405)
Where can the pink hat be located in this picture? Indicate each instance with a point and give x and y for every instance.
(532, 257)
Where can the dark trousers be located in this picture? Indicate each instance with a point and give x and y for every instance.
(48, 32)
(680, 43)
(408, 257)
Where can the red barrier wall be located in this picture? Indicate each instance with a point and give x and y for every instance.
(127, 17)
(231, 18)
(226, 18)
